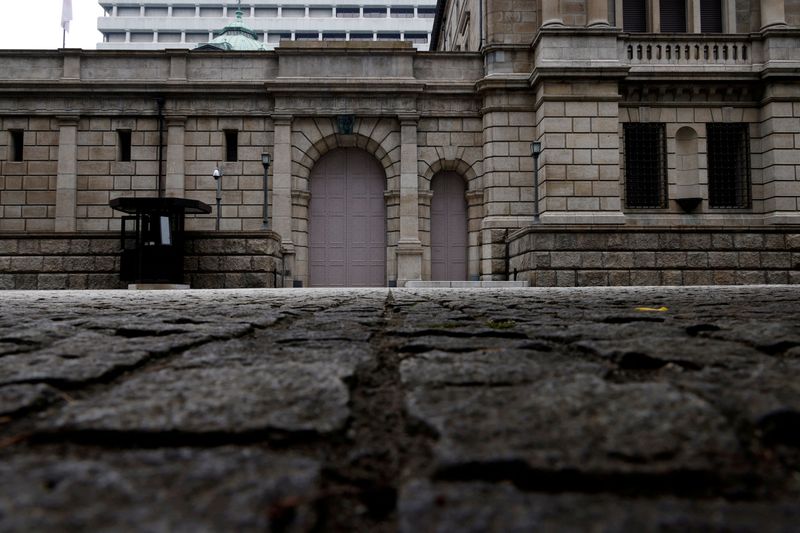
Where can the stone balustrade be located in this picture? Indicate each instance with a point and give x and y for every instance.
(652, 50)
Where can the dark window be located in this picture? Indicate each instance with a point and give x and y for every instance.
(348, 12)
(645, 165)
(711, 16)
(426, 12)
(634, 15)
(374, 12)
(231, 145)
(728, 165)
(124, 143)
(17, 145)
(306, 36)
(673, 16)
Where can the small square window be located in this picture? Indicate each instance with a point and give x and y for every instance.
(17, 145)
(231, 145)
(124, 145)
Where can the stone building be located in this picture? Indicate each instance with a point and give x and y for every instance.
(160, 24)
(668, 134)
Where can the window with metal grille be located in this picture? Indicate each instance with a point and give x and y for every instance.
(728, 165)
(673, 16)
(634, 15)
(645, 165)
(231, 145)
(711, 16)
(17, 145)
(124, 145)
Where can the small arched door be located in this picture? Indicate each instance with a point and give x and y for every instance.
(347, 221)
(448, 228)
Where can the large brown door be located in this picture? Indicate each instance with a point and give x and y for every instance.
(448, 228)
(347, 226)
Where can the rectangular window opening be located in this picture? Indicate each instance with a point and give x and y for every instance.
(729, 180)
(231, 145)
(673, 16)
(124, 145)
(645, 166)
(634, 16)
(17, 145)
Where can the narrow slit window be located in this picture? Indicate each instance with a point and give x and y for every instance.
(645, 166)
(124, 144)
(729, 179)
(231, 145)
(17, 145)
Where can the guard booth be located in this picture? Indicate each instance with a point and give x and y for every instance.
(152, 237)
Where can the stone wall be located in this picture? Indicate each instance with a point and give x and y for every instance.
(92, 261)
(575, 256)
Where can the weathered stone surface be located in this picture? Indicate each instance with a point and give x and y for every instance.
(477, 507)
(16, 398)
(180, 489)
(581, 423)
(493, 409)
(288, 397)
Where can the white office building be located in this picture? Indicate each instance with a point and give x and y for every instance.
(160, 24)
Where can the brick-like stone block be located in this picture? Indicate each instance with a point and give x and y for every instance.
(77, 281)
(54, 246)
(749, 260)
(645, 277)
(774, 242)
(592, 278)
(644, 259)
(669, 241)
(724, 277)
(750, 277)
(565, 259)
(237, 263)
(26, 282)
(698, 277)
(697, 259)
(793, 242)
(619, 278)
(79, 264)
(776, 260)
(26, 263)
(104, 281)
(618, 260)
(749, 241)
(565, 278)
(672, 277)
(722, 241)
(671, 259)
(794, 277)
(777, 277)
(52, 281)
(544, 278)
(723, 259)
(695, 241)
(7, 282)
(591, 259)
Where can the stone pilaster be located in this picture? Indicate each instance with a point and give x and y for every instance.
(176, 157)
(597, 13)
(67, 180)
(772, 13)
(409, 246)
(282, 192)
(551, 13)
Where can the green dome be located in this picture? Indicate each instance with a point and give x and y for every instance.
(235, 36)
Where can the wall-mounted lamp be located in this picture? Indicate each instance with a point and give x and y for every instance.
(217, 175)
(265, 161)
(536, 151)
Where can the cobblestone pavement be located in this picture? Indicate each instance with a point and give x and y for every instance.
(401, 410)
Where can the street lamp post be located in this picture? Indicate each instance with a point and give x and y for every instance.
(217, 174)
(265, 160)
(536, 150)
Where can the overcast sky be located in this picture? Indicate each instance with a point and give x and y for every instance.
(26, 24)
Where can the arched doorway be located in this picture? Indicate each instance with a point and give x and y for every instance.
(347, 221)
(448, 228)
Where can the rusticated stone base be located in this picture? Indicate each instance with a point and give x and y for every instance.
(547, 256)
(92, 261)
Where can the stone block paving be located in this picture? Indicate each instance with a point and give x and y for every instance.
(609, 409)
